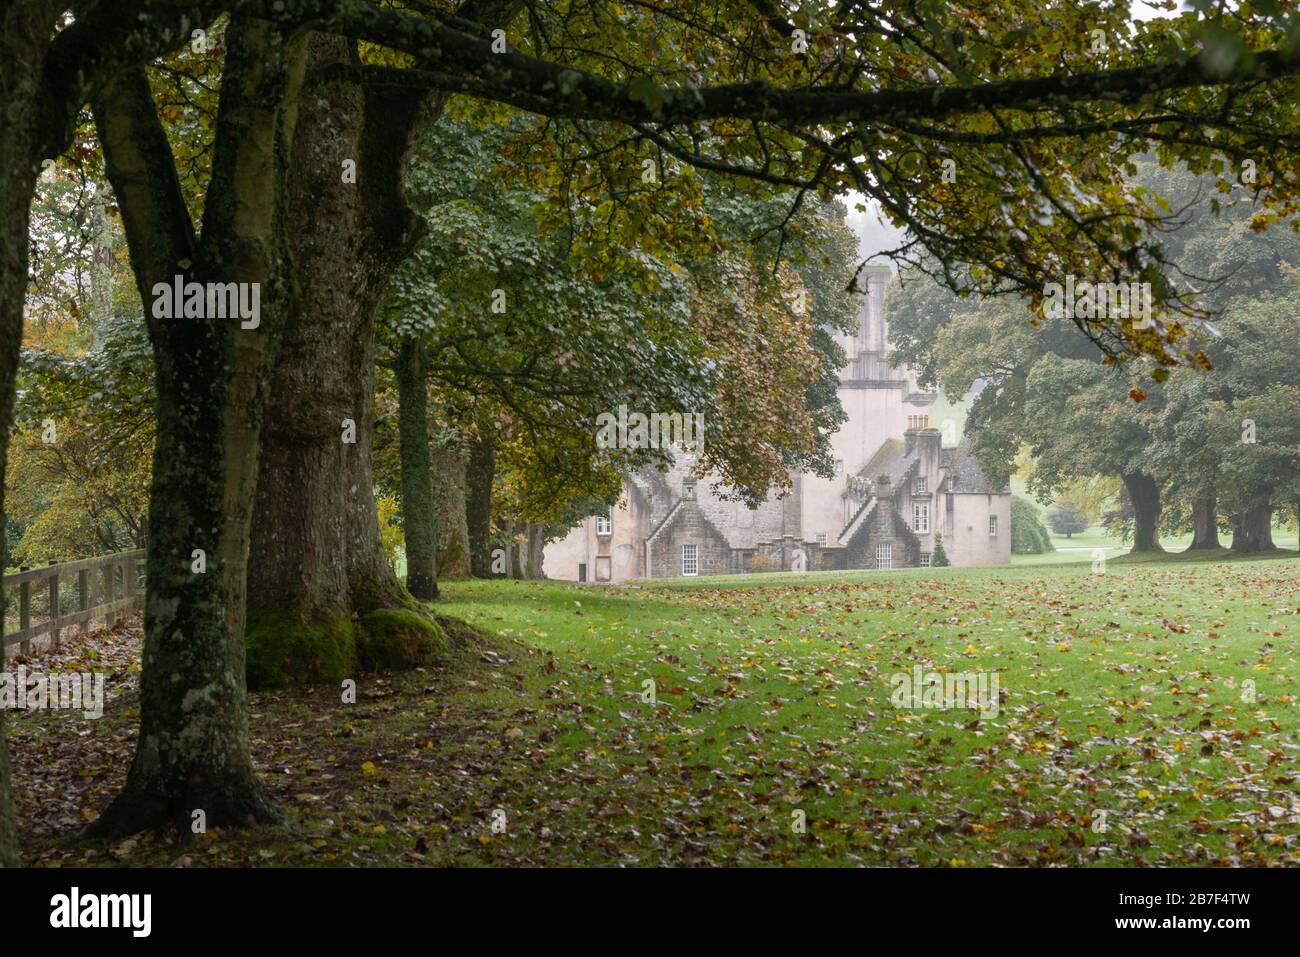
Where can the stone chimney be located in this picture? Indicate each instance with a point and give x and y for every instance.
(884, 517)
(931, 450)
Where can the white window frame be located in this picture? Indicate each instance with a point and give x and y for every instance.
(927, 558)
(604, 525)
(921, 518)
(884, 555)
(821, 538)
(690, 560)
(839, 466)
(922, 486)
(993, 526)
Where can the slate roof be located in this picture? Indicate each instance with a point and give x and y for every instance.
(888, 460)
(963, 475)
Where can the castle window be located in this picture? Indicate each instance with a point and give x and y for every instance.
(918, 421)
(922, 485)
(926, 558)
(821, 538)
(921, 517)
(688, 490)
(993, 526)
(690, 560)
(839, 466)
(604, 525)
(884, 555)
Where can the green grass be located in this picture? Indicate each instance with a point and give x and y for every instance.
(1079, 547)
(1123, 694)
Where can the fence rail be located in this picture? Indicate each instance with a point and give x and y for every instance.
(107, 586)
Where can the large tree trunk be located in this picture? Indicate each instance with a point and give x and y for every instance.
(479, 475)
(317, 557)
(536, 550)
(453, 533)
(23, 47)
(517, 551)
(1205, 522)
(193, 754)
(419, 508)
(1252, 530)
(1144, 495)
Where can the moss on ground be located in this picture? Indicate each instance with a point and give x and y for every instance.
(395, 639)
(281, 650)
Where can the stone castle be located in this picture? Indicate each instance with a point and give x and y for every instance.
(897, 486)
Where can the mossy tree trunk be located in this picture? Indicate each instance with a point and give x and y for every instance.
(212, 380)
(453, 534)
(480, 472)
(517, 550)
(46, 78)
(22, 55)
(536, 550)
(1144, 495)
(317, 557)
(419, 508)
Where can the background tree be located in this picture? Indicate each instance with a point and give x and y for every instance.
(1028, 535)
(1082, 418)
(1068, 518)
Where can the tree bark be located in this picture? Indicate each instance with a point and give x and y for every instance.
(517, 549)
(211, 375)
(536, 551)
(23, 47)
(419, 508)
(1144, 495)
(45, 80)
(480, 472)
(1205, 522)
(1252, 530)
(316, 550)
(453, 534)
(316, 554)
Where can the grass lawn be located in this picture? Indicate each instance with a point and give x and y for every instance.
(1126, 692)
(1080, 546)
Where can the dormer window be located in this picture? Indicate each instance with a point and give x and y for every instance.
(922, 485)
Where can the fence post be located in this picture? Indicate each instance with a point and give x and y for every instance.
(129, 580)
(24, 612)
(110, 594)
(83, 596)
(54, 607)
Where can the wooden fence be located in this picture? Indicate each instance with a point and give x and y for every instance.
(107, 586)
